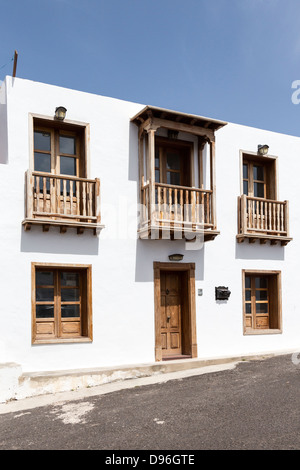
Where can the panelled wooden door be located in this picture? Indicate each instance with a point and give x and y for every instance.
(172, 163)
(171, 313)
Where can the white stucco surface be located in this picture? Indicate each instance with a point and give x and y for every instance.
(122, 265)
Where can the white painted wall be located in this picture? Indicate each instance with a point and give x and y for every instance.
(122, 265)
(3, 123)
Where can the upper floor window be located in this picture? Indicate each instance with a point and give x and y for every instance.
(59, 191)
(58, 151)
(254, 179)
(259, 177)
(173, 162)
(261, 215)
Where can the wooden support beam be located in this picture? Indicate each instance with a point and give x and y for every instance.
(213, 183)
(97, 201)
(151, 171)
(141, 159)
(178, 126)
(287, 218)
(201, 145)
(154, 123)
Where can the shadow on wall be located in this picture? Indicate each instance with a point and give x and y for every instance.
(3, 136)
(256, 251)
(149, 251)
(133, 164)
(35, 241)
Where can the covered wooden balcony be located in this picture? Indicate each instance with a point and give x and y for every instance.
(176, 174)
(62, 201)
(263, 219)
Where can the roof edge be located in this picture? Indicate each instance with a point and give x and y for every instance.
(217, 124)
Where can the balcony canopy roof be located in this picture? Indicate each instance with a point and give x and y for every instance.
(177, 117)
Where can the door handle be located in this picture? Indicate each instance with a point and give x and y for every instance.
(167, 291)
(168, 317)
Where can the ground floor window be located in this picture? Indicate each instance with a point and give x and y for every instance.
(61, 303)
(262, 301)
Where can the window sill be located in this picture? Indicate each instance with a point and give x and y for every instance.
(262, 332)
(82, 339)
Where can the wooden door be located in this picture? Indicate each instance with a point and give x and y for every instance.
(171, 313)
(172, 169)
(172, 163)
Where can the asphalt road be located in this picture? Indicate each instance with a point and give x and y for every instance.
(256, 405)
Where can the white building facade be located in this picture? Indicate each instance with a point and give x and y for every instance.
(92, 208)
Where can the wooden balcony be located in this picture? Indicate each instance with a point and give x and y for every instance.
(263, 219)
(167, 154)
(179, 211)
(63, 201)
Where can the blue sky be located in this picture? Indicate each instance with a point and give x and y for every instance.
(233, 60)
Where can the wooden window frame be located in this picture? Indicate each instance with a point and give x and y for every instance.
(274, 301)
(250, 180)
(85, 271)
(270, 163)
(54, 152)
(82, 131)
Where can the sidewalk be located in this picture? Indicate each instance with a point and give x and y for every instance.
(40, 389)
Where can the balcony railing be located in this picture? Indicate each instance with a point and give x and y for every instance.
(264, 219)
(179, 208)
(62, 200)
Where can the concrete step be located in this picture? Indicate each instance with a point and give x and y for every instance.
(16, 385)
(40, 383)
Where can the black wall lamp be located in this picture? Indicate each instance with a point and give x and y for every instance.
(222, 293)
(176, 257)
(60, 113)
(262, 149)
